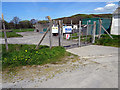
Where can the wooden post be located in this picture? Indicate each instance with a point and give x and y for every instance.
(94, 30)
(45, 32)
(5, 36)
(59, 33)
(62, 33)
(50, 35)
(43, 37)
(72, 26)
(71, 22)
(106, 32)
(79, 44)
(100, 21)
(87, 32)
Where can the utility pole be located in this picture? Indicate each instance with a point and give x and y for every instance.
(5, 36)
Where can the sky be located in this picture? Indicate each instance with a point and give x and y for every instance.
(39, 10)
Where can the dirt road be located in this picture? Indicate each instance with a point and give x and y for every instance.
(97, 67)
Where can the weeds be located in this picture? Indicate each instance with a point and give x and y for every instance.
(22, 55)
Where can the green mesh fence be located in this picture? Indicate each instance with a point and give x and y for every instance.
(105, 22)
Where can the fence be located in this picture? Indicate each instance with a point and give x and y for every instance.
(86, 29)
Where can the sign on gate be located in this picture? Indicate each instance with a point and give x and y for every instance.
(67, 36)
(54, 29)
(67, 29)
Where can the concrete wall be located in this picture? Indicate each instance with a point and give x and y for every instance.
(115, 28)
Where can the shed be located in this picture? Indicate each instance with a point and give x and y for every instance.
(115, 28)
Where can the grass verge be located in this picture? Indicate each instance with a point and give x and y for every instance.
(14, 34)
(107, 41)
(10, 34)
(22, 55)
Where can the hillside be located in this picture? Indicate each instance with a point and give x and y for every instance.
(75, 18)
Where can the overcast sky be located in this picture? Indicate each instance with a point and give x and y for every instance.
(39, 10)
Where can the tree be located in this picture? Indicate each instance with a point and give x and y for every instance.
(5, 23)
(43, 22)
(25, 24)
(33, 21)
(11, 25)
(16, 21)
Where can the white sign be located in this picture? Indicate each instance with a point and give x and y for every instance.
(55, 29)
(75, 27)
(67, 29)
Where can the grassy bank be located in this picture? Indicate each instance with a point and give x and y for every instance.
(14, 34)
(22, 55)
(23, 30)
(107, 41)
(10, 34)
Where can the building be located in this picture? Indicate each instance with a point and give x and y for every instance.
(115, 28)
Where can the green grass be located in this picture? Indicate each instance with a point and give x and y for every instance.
(10, 34)
(83, 38)
(22, 55)
(107, 41)
(14, 34)
(23, 30)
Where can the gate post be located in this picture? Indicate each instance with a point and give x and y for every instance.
(62, 33)
(50, 36)
(79, 44)
(94, 30)
(86, 33)
(59, 33)
(100, 21)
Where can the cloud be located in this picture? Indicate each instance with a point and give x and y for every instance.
(108, 8)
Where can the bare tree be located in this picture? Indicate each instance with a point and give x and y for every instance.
(16, 21)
